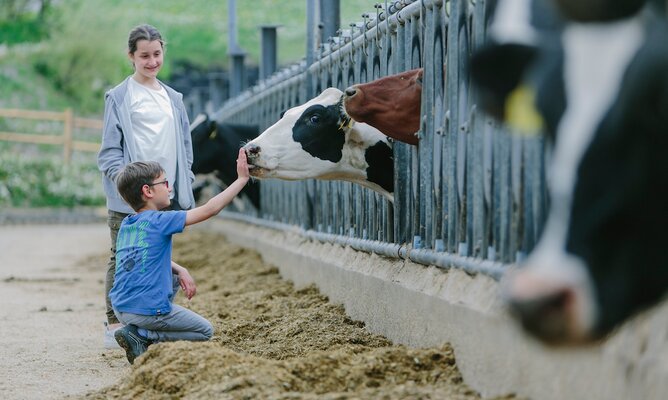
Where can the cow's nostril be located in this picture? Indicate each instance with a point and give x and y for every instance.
(351, 91)
(252, 150)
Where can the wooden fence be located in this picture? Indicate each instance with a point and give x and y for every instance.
(66, 139)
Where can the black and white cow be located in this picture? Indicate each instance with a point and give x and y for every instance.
(603, 97)
(215, 149)
(318, 140)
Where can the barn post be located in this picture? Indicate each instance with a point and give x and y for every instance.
(237, 78)
(330, 17)
(216, 88)
(269, 50)
(311, 26)
(237, 75)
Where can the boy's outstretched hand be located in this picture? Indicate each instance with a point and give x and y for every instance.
(222, 199)
(242, 164)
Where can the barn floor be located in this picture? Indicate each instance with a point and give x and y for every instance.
(273, 341)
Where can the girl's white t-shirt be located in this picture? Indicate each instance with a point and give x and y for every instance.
(153, 127)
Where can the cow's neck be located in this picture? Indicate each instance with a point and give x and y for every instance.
(373, 157)
(355, 166)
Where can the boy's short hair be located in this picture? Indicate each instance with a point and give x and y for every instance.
(133, 177)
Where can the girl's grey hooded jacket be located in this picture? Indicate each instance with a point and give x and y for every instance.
(119, 147)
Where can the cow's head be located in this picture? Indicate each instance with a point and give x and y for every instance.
(318, 140)
(215, 149)
(203, 131)
(390, 104)
(601, 257)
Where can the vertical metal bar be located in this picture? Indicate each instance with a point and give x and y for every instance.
(233, 46)
(237, 78)
(311, 26)
(269, 50)
(415, 47)
(330, 17)
(426, 133)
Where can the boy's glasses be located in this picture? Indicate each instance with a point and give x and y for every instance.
(159, 183)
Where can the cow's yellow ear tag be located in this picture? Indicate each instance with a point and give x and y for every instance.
(346, 124)
(213, 134)
(521, 114)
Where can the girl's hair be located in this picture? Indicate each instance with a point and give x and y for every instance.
(143, 32)
(133, 177)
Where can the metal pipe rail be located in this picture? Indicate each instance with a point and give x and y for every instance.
(391, 250)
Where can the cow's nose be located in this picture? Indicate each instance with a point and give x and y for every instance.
(351, 91)
(547, 317)
(252, 150)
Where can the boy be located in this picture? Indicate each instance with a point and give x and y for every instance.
(144, 285)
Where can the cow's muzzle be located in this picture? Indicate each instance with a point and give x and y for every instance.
(253, 157)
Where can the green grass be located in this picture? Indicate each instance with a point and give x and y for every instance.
(23, 87)
(44, 181)
(24, 29)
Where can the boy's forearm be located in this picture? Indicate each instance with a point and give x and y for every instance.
(222, 199)
(216, 203)
(176, 268)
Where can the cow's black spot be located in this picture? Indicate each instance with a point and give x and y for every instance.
(317, 131)
(381, 160)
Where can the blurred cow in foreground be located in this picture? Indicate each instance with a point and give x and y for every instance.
(602, 98)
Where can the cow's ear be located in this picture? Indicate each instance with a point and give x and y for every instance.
(214, 130)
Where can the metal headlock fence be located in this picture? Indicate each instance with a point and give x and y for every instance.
(469, 196)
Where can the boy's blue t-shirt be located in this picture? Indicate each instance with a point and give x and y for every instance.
(143, 281)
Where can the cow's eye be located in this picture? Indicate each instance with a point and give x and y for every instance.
(314, 119)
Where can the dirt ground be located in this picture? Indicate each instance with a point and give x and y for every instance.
(271, 341)
(52, 311)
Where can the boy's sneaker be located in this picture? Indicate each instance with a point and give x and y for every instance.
(110, 342)
(131, 341)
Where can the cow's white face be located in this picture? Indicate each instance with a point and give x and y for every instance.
(283, 156)
(317, 140)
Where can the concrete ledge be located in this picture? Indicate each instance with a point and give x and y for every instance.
(423, 306)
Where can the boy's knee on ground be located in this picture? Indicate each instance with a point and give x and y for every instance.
(207, 331)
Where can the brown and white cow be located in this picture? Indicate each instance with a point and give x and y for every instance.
(391, 104)
(318, 140)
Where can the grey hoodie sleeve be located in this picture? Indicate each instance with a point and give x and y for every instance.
(187, 139)
(110, 157)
